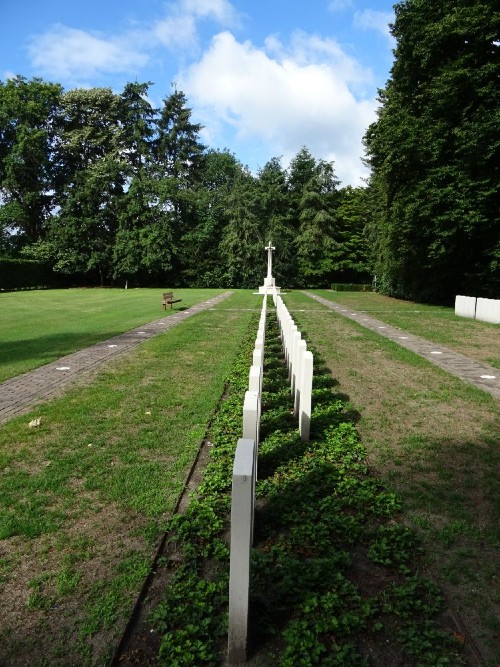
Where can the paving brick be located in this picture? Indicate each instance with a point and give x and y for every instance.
(20, 394)
(481, 375)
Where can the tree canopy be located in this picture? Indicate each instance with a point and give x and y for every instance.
(108, 187)
(105, 186)
(435, 154)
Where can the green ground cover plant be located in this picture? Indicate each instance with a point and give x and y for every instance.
(434, 440)
(84, 497)
(335, 575)
(40, 326)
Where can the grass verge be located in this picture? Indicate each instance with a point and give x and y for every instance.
(335, 578)
(439, 324)
(434, 440)
(84, 497)
(40, 326)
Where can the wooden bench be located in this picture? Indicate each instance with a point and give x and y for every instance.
(168, 297)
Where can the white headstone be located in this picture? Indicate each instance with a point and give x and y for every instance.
(305, 396)
(251, 416)
(255, 379)
(488, 310)
(258, 358)
(465, 306)
(302, 348)
(242, 510)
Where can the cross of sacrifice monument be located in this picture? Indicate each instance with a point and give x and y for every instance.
(269, 282)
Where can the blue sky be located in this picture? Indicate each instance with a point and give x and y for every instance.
(264, 77)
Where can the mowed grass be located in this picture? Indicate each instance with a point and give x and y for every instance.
(84, 497)
(439, 324)
(433, 438)
(37, 327)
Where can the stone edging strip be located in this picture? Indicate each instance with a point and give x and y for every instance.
(19, 394)
(474, 372)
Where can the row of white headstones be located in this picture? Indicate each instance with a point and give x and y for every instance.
(486, 310)
(300, 368)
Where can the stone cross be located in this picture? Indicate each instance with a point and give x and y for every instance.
(269, 280)
(270, 249)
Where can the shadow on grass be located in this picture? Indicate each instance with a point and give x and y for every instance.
(44, 349)
(321, 519)
(331, 580)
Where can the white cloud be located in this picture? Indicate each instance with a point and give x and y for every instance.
(339, 5)
(370, 19)
(8, 74)
(306, 49)
(274, 99)
(70, 54)
(179, 29)
(220, 11)
(297, 96)
(176, 32)
(67, 53)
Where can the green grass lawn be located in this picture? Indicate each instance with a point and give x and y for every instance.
(431, 437)
(336, 578)
(83, 498)
(37, 327)
(475, 339)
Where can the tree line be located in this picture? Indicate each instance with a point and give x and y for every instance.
(434, 152)
(105, 187)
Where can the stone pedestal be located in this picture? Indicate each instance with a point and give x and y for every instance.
(265, 287)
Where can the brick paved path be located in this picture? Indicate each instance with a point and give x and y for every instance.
(19, 394)
(481, 375)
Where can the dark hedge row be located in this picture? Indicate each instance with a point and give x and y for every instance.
(19, 274)
(351, 287)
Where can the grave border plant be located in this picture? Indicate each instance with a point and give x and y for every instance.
(336, 578)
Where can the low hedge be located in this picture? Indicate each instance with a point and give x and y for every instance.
(351, 287)
(16, 274)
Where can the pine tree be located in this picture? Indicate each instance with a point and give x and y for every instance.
(179, 159)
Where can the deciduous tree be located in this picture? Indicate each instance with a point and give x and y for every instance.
(29, 120)
(435, 153)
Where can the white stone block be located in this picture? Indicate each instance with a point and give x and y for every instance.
(465, 306)
(305, 396)
(258, 358)
(255, 379)
(242, 511)
(251, 416)
(289, 347)
(488, 310)
(302, 347)
(294, 359)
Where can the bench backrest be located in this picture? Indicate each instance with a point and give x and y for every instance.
(168, 295)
